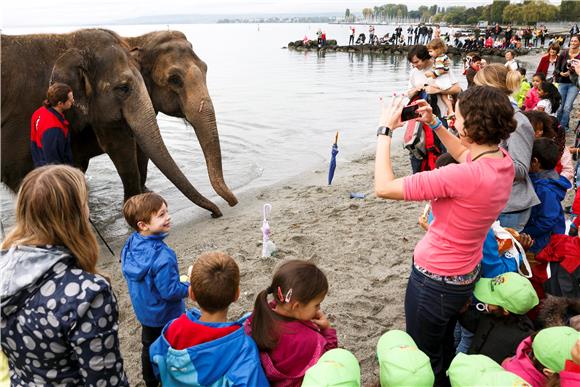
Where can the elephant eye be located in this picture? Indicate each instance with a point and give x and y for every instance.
(123, 88)
(175, 80)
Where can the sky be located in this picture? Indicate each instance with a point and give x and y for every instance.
(77, 12)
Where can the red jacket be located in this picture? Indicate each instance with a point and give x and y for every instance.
(543, 66)
(49, 138)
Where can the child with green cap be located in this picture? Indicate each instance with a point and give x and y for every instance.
(498, 321)
(540, 359)
(480, 370)
(337, 367)
(402, 363)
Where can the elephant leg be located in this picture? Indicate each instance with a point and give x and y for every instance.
(143, 163)
(122, 149)
(84, 146)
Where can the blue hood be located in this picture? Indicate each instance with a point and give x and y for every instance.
(551, 180)
(139, 254)
(232, 360)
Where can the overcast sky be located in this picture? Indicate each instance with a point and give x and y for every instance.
(76, 12)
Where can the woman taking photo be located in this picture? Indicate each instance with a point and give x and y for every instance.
(466, 199)
(519, 146)
(59, 317)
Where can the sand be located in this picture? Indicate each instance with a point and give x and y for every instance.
(363, 245)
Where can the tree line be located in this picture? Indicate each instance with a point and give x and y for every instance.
(499, 11)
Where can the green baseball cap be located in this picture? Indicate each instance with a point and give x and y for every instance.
(553, 346)
(480, 370)
(401, 362)
(337, 367)
(511, 291)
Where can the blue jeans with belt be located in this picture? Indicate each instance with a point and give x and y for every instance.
(431, 311)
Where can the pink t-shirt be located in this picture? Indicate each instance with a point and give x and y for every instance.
(466, 199)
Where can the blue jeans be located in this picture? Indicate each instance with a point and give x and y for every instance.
(515, 220)
(569, 92)
(431, 311)
(463, 339)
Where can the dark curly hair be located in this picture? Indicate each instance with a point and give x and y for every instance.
(488, 114)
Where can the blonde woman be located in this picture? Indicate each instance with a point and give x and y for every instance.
(519, 146)
(59, 317)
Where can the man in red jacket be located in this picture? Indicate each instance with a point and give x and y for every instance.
(49, 132)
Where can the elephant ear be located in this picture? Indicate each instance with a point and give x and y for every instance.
(72, 68)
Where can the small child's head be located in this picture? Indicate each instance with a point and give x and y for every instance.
(147, 214)
(551, 347)
(401, 363)
(541, 122)
(537, 79)
(509, 55)
(507, 293)
(298, 288)
(436, 47)
(548, 91)
(215, 281)
(545, 155)
(484, 371)
(523, 71)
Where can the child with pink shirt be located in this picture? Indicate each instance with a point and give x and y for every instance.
(291, 331)
(533, 97)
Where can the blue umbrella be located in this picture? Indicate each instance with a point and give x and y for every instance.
(333, 159)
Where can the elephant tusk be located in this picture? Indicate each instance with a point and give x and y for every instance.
(201, 106)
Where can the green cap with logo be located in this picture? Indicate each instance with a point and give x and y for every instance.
(337, 367)
(480, 370)
(553, 346)
(401, 362)
(511, 291)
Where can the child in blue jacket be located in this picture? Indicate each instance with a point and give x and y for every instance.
(203, 348)
(547, 218)
(150, 268)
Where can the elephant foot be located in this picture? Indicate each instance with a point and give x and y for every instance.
(216, 214)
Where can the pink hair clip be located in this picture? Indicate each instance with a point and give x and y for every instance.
(280, 295)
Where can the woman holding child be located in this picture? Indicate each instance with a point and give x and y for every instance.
(59, 316)
(466, 199)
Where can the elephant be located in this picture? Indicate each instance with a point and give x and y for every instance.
(112, 112)
(176, 81)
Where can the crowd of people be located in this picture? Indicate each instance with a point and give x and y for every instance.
(497, 254)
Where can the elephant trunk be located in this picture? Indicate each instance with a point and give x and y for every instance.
(140, 116)
(202, 118)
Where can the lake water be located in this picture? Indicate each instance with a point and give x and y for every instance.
(277, 111)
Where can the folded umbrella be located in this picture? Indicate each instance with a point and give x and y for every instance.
(333, 154)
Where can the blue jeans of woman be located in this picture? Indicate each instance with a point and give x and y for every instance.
(431, 311)
(515, 220)
(569, 92)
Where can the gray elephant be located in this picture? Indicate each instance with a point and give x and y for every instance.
(112, 113)
(176, 81)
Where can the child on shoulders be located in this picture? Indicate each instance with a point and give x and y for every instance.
(547, 218)
(291, 331)
(441, 71)
(151, 271)
(201, 347)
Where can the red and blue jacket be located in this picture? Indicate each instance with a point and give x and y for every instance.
(49, 138)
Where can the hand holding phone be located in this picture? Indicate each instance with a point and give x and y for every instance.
(409, 112)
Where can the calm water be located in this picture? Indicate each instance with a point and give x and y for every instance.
(277, 112)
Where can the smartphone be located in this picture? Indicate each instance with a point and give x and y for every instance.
(409, 112)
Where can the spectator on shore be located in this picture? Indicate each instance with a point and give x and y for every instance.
(547, 64)
(567, 78)
(511, 63)
(442, 279)
(410, 35)
(371, 34)
(351, 37)
(59, 315)
(496, 31)
(437, 32)
(473, 65)
(519, 145)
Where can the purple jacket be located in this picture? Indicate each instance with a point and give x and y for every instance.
(300, 345)
(522, 366)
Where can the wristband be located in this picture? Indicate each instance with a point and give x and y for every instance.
(436, 124)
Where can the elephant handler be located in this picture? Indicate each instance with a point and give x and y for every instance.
(49, 132)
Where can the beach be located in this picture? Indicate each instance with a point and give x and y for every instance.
(364, 246)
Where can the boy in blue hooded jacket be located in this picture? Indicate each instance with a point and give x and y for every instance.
(151, 270)
(547, 218)
(203, 348)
